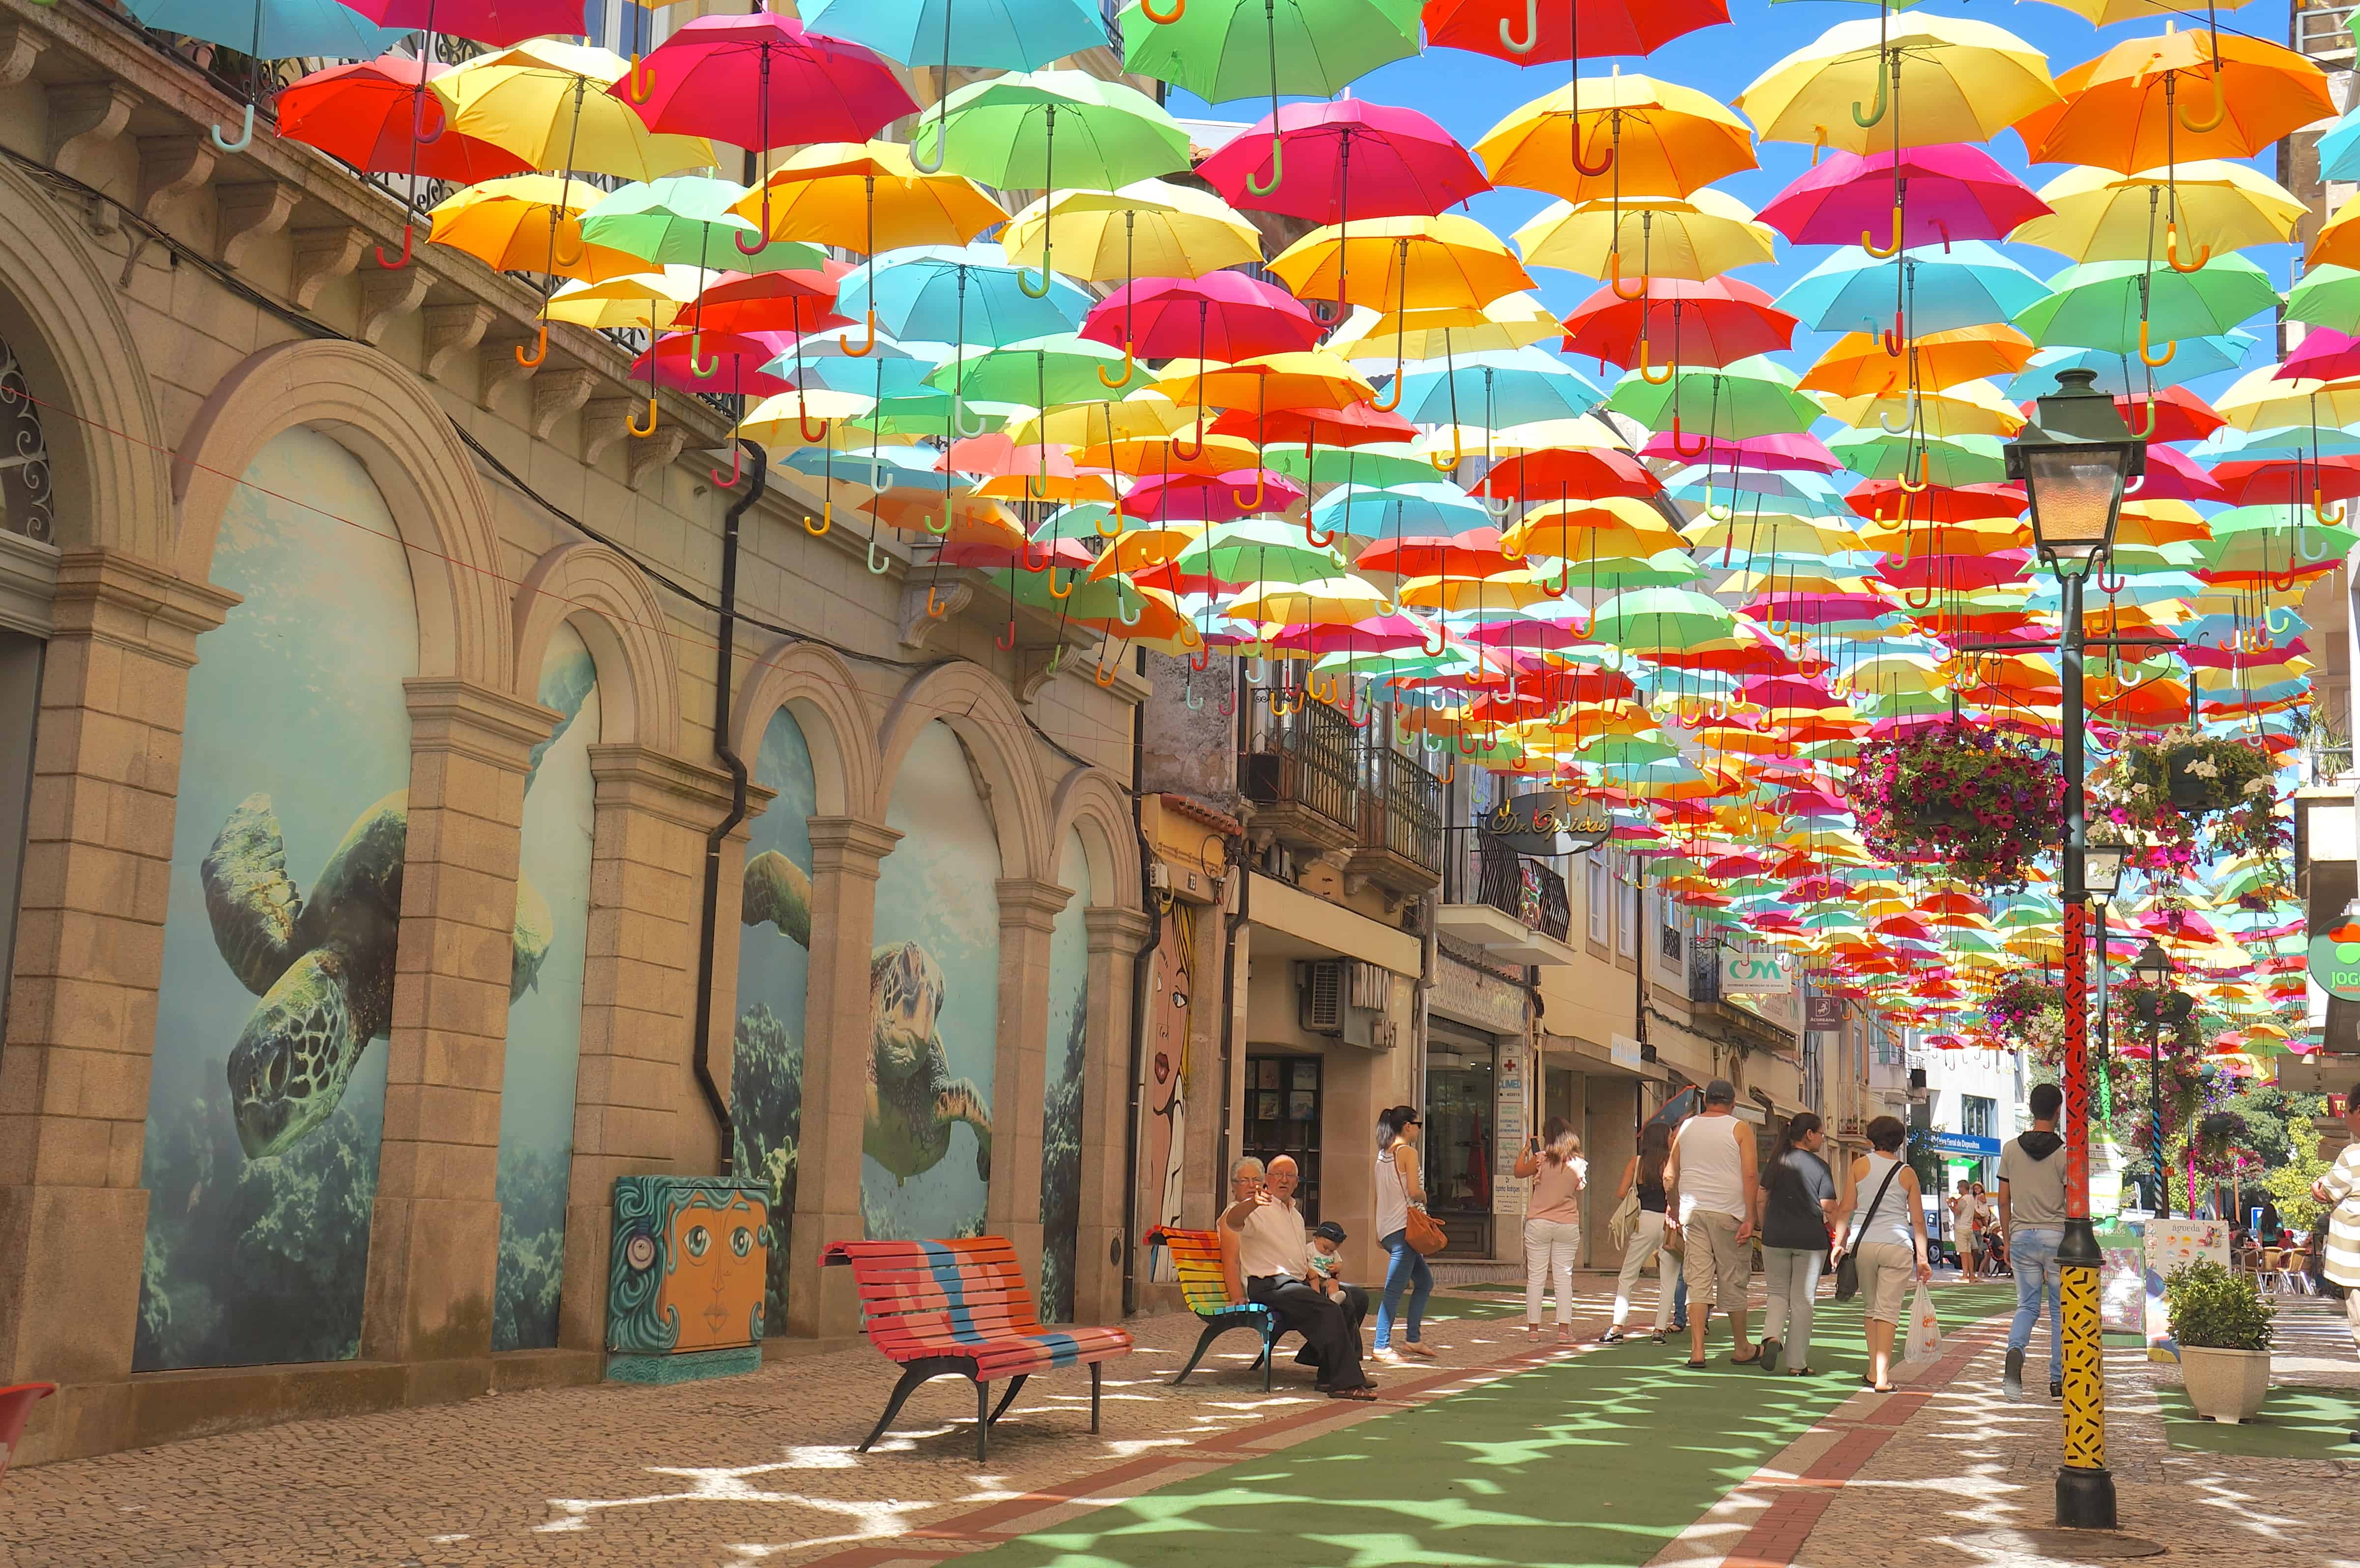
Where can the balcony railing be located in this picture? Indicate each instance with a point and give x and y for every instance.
(1303, 756)
(1401, 808)
(2324, 32)
(1524, 890)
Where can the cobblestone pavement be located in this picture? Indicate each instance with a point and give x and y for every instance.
(1936, 1475)
(744, 1470)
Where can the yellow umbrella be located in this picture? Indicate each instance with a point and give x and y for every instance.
(802, 418)
(1541, 435)
(1768, 535)
(1151, 228)
(1635, 134)
(1616, 525)
(1700, 235)
(1957, 81)
(1066, 488)
(1209, 455)
(1314, 379)
(1504, 591)
(869, 196)
(528, 222)
(547, 102)
(1141, 548)
(2111, 12)
(1401, 264)
(1143, 414)
(1857, 365)
(2260, 402)
(1513, 320)
(1324, 602)
(1969, 408)
(2216, 207)
(648, 298)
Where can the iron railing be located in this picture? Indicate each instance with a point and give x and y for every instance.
(1401, 808)
(27, 505)
(1522, 889)
(1302, 755)
(2324, 32)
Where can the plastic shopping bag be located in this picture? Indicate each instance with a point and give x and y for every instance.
(1925, 1329)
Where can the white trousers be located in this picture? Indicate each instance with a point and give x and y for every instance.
(1551, 1246)
(1647, 1241)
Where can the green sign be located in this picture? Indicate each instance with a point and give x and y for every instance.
(2335, 966)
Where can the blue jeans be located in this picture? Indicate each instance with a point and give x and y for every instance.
(1680, 1301)
(2032, 1253)
(1408, 1268)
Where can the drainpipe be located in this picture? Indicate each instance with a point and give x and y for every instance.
(757, 477)
(1230, 927)
(1139, 966)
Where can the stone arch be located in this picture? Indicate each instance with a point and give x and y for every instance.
(367, 404)
(1090, 801)
(982, 712)
(106, 436)
(818, 687)
(612, 605)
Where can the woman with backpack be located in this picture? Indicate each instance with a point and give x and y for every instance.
(1888, 1241)
(1644, 1177)
(1798, 1197)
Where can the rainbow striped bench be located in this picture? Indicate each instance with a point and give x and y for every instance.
(960, 1309)
(1196, 1256)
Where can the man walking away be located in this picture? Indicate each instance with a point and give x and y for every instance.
(1712, 1168)
(2032, 1218)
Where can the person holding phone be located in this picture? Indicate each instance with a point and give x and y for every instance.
(1553, 1222)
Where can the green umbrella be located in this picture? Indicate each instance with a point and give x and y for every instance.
(1044, 371)
(1624, 751)
(1940, 460)
(1226, 50)
(1257, 549)
(1754, 397)
(2122, 307)
(1004, 132)
(2272, 539)
(1083, 600)
(2326, 297)
(1646, 619)
(683, 219)
(1378, 464)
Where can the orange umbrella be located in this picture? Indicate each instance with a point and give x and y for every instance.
(1857, 366)
(2148, 102)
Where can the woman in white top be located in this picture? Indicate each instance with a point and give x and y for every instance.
(1398, 1187)
(2339, 1189)
(1888, 1239)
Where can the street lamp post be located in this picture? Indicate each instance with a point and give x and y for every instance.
(2102, 874)
(2073, 461)
(2153, 965)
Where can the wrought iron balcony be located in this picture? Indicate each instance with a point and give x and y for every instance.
(1301, 771)
(1401, 824)
(1488, 881)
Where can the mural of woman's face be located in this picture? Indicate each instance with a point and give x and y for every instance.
(715, 1286)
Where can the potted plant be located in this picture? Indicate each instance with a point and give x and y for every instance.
(1981, 803)
(2223, 1326)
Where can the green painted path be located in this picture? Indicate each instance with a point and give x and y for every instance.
(1593, 1461)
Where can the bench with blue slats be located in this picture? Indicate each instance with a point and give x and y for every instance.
(960, 1309)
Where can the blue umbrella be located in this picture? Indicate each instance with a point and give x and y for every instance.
(2230, 444)
(1798, 492)
(1408, 511)
(2338, 149)
(269, 29)
(961, 294)
(1495, 387)
(1964, 284)
(1003, 34)
(2197, 357)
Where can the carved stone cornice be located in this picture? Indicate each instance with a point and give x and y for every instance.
(853, 845)
(496, 364)
(652, 783)
(920, 604)
(108, 596)
(387, 295)
(1029, 903)
(20, 46)
(448, 714)
(1116, 928)
(603, 423)
(655, 453)
(83, 117)
(170, 168)
(249, 211)
(451, 331)
(321, 255)
(557, 393)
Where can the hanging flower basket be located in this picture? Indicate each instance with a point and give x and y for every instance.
(1980, 803)
(2028, 1012)
(2179, 795)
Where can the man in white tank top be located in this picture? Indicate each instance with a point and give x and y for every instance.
(1712, 1168)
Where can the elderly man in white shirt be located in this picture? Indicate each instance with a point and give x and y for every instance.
(1265, 1255)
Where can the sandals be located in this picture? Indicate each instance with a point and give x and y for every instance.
(1656, 1337)
(1694, 1366)
(1616, 1336)
(1753, 1360)
(1363, 1395)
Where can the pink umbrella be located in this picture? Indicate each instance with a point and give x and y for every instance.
(1195, 498)
(1224, 316)
(2173, 475)
(1955, 573)
(1376, 634)
(741, 355)
(1350, 159)
(2325, 355)
(499, 22)
(1953, 192)
(1789, 453)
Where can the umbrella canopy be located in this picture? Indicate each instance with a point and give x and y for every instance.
(1700, 235)
(1400, 262)
(1857, 365)
(1346, 160)
(1226, 50)
(370, 116)
(528, 222)
(1221, 316)
(1151, 228)
(499, 22)
(1509, 388)
(1636, 133)
(1954, 193)
(1589, 27)
(685, 220)
(2140, 105)
(2097, 214)
(868, 197)
(968, 295)
(278, 29)
(1968, 284)
(1955, 80)
(757, 80)
(1717, 321)
(2120, 306)
(1001, 35)
(546, 102)
(1020, 132)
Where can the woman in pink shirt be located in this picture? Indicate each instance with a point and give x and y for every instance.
(1553, 1222)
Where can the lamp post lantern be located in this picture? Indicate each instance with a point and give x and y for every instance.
(2073, 461)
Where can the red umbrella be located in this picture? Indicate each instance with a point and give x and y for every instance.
(1475, 553)
(2324, 353)
(1943, 504)
(792, 303)
(1379, 634)
(2179, 415)
(1713, 323)
(1561, 473)
(1524, 32)
(1957, 573)
(499, 22)
(2176, 477)
(1954, 191)
(1224, 316)
(732, 78)
(377, 116)
(1775, 691)
(1359, 425)
(1202, 498)
(2284, 481)
(1343, 160)
(742, 356)
(1804, 452)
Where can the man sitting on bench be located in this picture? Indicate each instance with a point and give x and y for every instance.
(1270, 1252)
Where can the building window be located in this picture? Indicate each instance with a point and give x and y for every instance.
(1975, 1116)
(1595, 896)
(1628, 919)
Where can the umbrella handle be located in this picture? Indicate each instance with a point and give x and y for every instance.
(706, 371)
(803, 422)
(540, 349)
(1188, 694)
(877, 564)
(1575, 152)
(946, 519)
(1198, 451)
(2134, 486)
(2271, 614)
(403, 260)
(1120, 600)
(1679, 447)
(1531, 30)
(935, 608)
(1099, 525)
(2112, 588)
(1328, 696)
(1564, 579)
(866, 349)
(1007, 639)
(1314, 538)
(642, 79)
(2144, 344)
(1047, 247)
(2147, 434)
(1883, 100)
(1908, 416)
(2220, 102)
(1203, 657)
(1458, 453)
(1257, 671)
(2281, 584)
(762, 234)
(1042, 492)
(562, 261)
(1498, 506)
(632, 424)
(1910, 598)
(1251, 502)
(1393, 393)
(1925, 468)
(1450, 771)
(1647, 370)
(1614, 277)
(827, 520)
(418, 120)
(1047, 556)
(1058, 593)
(1163, 18)
(1433, 646)
(1104, 673)
(1868, 242)
(1228, 703)
(1277, 165)
(2171, 249)
(1130, 368)
(245, 136)
(959, 421)
(2319, 515)
(941, 145)
(1890, 337)
(737, 468)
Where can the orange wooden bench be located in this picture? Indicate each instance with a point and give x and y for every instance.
(16, 1402)
(960, 1309)
(1196, 1256)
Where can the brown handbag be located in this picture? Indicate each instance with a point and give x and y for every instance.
(1424, 1232)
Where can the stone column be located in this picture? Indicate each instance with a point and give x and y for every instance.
(1107, 1097)
(846, 853)
(636, 1106)
(81, 1005)
(435, 1231)
(1019, 1084)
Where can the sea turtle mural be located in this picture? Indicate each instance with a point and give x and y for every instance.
(913, 1098)
(322, 965)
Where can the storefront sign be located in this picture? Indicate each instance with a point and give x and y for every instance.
(1824, 1013)
(1965, 1145)
(1477, 999)
(2171, 1245)
(2335, 962)
(1512, 1117)
(1624, 1051)
(1547, 822)
(1754, 975)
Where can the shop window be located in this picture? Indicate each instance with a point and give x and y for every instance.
(1594, 895)
(1283, 1115)
(1458, 1148)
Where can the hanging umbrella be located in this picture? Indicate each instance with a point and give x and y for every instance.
(1857, 365)
(268, 29)
(867, 197)
(378, 116)
(2122, 374)
(1714, 323)
(2147, 102)
(499, 22)
(1220, 316)
(2122, 306)
(1213, 498)
(1426, 263)
(1522, 32)
(741, 359)
(1955, 80)
(1150, 227)
(1513, 320)
(1955, 192)
(1967, 408)
(793, 302)
(1510, 387)
(547, 102)
(2098, 215)
(1752, 398)
(686, 220)
(1044, 371)
(1967, 284)
(960, 295)
(2323, 354)
(527, 223)
(1630, 133)
(1346, 160)
(1700, 235)
(1000, 35)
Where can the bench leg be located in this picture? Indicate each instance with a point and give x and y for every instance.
(902, 1392)
(1093, 1396)
(1015, 1386)
(1269, 1353)
(982, 1421)
(1203, 1342)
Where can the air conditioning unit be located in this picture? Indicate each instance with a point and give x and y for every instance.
(1346, 999)
(1323, 996)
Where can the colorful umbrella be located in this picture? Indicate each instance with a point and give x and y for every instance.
(378, 116)
(1635, 133)
(1954, 192)
(1714, 322)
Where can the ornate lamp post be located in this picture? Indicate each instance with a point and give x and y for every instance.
(2073, 459)
(2158, 1007)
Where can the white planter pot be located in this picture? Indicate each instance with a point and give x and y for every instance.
(2224, 1384)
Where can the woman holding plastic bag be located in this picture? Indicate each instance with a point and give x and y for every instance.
(1888, 1241)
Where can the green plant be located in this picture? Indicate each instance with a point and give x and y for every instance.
(2213, 1309)
(2290, 1184)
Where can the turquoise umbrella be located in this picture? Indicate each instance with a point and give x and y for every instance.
(2124, 306)
(1964, 284)
(1407, 511)
(1648, 619)
(1000, 35)
(269, 29)
(2122, 375)
(1495, 387)
(960, 294)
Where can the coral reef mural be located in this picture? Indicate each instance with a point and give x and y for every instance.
(544, 1043)
(267, 1099)
(773, 975)
(1061, 1122)
(935, 1000)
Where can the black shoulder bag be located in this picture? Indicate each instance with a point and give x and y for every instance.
(1848, 1270)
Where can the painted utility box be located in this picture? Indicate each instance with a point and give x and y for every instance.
(684, 1286)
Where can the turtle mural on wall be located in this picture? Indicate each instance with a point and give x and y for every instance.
(913, 1101)
(322, 965)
